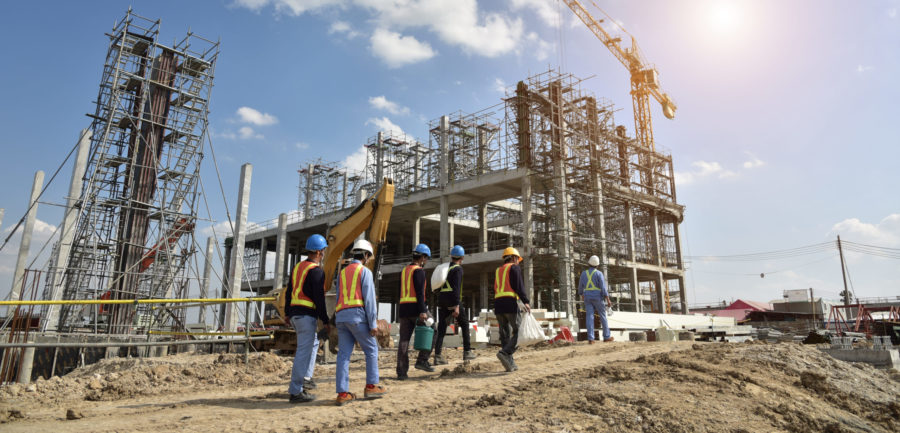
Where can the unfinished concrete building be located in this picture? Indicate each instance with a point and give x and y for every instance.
(549, 173)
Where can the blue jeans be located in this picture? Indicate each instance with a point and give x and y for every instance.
(594, 302)
(348, 335)
(305, 356)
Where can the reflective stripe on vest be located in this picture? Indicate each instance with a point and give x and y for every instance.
(446, 287)
(590, 282)
(350, 293)
(407, 292)
(298, 277)
(502, 288)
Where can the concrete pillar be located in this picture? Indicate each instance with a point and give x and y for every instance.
(635, 290)
(682, 290)
(307, 207)
(16, 292)
(444, 180)
(207, 273)
(67, 231)
(482, 228)
(682, 296)
(226, 271)
(560, 191)
(632, 257)
(237, 255)
(527, 237)
(660, 298)
(417, 224)
(485, 286)
(263, 252)
(280, 250)
(654, 235)
(26, 364)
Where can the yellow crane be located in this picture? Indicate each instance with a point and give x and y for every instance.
(644, 78)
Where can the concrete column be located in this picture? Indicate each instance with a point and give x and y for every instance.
(307, 207)
(263, 252)
(682, 296)
(482, 228)
(67, 231)
(444, 168)
(660, 298)
(417, 224)
(344, 192)
(280, 250)
(635, 290)
(445, 228)
(379, 158)
(527, 236)
(654, 235)
(236, 270)
(485, 286)
(15, 293)
(226, 271)
(26, 364)
(207, 273)
(560, 191)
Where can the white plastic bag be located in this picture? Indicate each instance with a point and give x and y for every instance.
(439, 276)
(529, 331)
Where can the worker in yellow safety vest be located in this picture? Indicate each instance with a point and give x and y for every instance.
(305, 304)
(355, 315)
(592, 289)
(412, 310)
(509, 287)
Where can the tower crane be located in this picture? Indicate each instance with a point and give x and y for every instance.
(644, 77)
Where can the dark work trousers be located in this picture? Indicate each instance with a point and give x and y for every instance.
(407, 326)
(509, 332)
(461, 322)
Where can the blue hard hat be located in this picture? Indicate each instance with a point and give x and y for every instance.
(423, 249)
(316, 243)
(457, 251)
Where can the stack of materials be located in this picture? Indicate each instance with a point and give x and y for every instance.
(550, 322)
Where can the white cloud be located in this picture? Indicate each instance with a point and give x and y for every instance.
(254, 117)
(301, 145)
(892, 13)
(247, 133)
(753, 162)
(292, 7)
(356, 161)
(860, 68)
(382, 103)
(500, 85)
(396, 50)
(885, 233)
(542, 48)
(343, 27)
(702, 170)
(385, 124)
(545, 9)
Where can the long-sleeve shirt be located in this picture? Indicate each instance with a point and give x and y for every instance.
(508, 305)
(367, 314)
(313, 288)
(596, 278)
(410, 309)
(454, 280)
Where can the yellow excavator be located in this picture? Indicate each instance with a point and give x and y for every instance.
(371, 216)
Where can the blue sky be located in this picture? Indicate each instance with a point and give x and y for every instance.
(786, 135)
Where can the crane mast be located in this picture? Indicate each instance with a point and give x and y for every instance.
(644, 78)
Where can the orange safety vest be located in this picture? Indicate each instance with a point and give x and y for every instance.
(407, 291)
(298, 277)
(350, 287)
(502, 288)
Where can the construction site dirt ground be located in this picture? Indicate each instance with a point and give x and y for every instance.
(627, 387)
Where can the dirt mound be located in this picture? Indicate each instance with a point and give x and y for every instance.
(114, 379)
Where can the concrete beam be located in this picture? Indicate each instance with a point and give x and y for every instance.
(15, 293)
(236, 268)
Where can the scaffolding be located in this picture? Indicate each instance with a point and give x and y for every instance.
(138, 207)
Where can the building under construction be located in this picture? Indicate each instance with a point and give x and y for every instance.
(549, 173)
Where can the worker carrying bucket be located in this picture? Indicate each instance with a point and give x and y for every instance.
(413, 314)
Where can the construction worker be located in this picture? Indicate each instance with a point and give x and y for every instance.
(355, 315)
(592, 289)
(508, 289)
(412, 309)
(305, 304)
(450, 307)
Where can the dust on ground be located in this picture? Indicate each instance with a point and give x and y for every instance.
(622, 387)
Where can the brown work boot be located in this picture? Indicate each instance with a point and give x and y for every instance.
(344, 398)
(607, 340)
(374, 391)
(590, 341)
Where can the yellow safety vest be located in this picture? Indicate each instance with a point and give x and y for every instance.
(446, 287)
(298, 277)
(350, 290)
(407, 292)
(590, 280)
(502, 288)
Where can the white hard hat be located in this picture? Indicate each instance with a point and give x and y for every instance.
(594, 261)
(363, 245)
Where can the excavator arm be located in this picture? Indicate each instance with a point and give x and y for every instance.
(371, 215)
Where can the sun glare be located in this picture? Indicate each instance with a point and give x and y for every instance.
(724, 16)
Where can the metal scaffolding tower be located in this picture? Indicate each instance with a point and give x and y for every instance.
(137, 210)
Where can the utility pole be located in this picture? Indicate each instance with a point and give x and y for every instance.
(843, 272)
(812, 306)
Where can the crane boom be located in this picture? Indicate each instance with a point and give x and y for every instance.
(644, 78)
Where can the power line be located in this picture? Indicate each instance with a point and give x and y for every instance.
(770, 255)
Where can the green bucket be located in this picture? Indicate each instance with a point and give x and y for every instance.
(424, 334)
